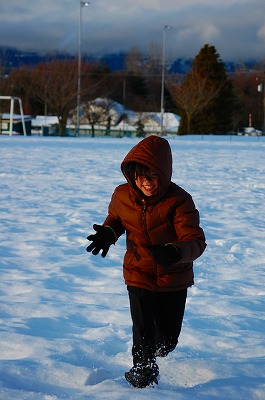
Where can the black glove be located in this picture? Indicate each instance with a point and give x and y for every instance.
(165, 255)
(102, 240)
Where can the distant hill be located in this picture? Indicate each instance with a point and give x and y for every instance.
(13, 58)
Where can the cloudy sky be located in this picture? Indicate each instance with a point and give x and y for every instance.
(235, 27)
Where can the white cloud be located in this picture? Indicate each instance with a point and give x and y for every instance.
(261, 33)
(206, 32)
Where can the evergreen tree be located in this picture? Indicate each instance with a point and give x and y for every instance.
(217, 115)
(206, 99)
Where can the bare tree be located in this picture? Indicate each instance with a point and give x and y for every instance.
(97, 112)
(134, 61)
(154, 62)
(194, 94)
(249, 86)
(55, 84)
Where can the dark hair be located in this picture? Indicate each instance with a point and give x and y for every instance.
(133, 169)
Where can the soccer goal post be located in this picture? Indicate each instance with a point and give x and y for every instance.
(11, 115)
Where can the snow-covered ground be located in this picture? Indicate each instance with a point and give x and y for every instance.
(65, 329)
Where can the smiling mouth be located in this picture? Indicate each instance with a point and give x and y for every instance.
(148, 187)
(149, 190)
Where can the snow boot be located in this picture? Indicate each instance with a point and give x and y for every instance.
(141, 376)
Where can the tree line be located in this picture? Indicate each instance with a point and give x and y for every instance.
(208, 99)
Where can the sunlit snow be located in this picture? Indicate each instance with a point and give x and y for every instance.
(65, 328)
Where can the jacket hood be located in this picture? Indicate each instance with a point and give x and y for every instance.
(155, 153)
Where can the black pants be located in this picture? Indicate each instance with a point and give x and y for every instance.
(157, 320)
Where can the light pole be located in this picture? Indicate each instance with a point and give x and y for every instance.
(261, 89)
(166, 28)
(81, 5)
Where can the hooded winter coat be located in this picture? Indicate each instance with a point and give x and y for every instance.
(169, 216)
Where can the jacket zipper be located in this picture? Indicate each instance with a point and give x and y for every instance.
(149, 241)
(144, 220)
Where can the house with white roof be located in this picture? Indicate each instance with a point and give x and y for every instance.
(44, 125)
(110, 117)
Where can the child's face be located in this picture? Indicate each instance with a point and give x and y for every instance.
(148, 184)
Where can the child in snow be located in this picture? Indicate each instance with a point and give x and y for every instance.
(163, 238)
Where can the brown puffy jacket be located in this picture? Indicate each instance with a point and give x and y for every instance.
(168, 217)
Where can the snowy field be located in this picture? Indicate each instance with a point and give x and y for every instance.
(65, 329)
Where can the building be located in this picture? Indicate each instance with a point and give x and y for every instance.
(17, 125)
(104, 116)
(12, 123)
(44, 125)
